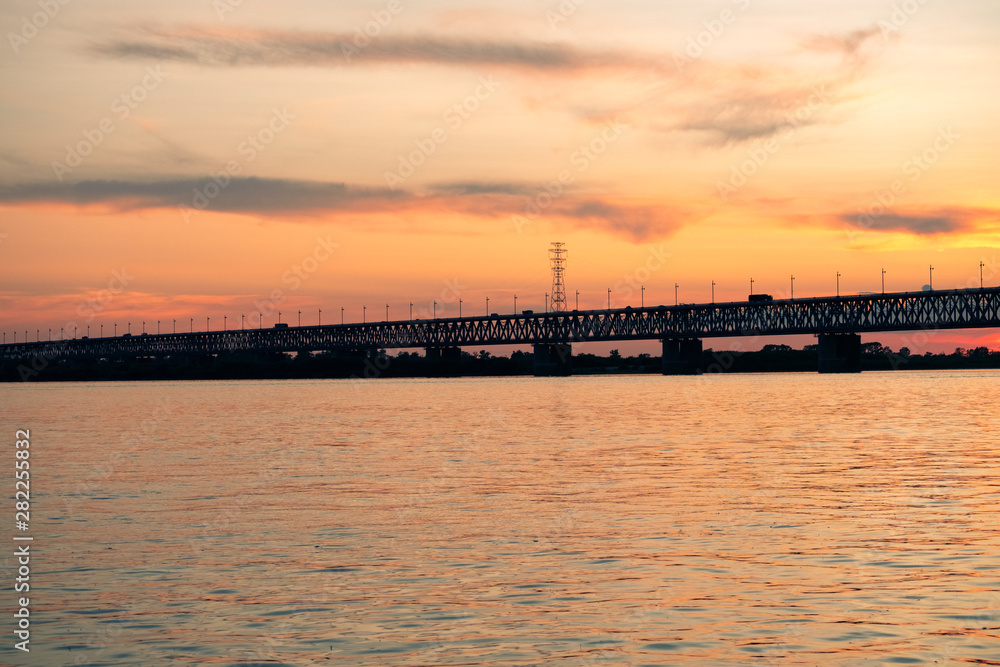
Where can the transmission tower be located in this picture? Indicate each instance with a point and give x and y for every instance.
(557, 254)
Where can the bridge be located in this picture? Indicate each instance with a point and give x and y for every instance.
(837, 321)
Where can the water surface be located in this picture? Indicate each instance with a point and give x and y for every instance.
(749, 520)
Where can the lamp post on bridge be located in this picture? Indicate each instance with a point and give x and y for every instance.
(883, 281)
(546, 302)
(319, 318)
(279, 317)
(980, 274)
(144, 326)
(515, 304)
(175, 325)
(751, 287)
(192, 325)
(157, 327)
(487, 306)
(435, 309)
(642, 296)
(411, 311)
(838, 283)
(225, 322)
(713, 291)
(609, 298)
(208, 324)
(260, 321)
(578, 299)
(460, 308)
(300, 318)
(364, 314)
(243, 324)
(341, 315)
(793, 288)
(677, 300)
(386, 312)
(931, 281)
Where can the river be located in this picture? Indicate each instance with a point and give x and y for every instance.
(772, 519)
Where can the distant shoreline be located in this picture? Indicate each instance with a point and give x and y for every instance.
(243, 366)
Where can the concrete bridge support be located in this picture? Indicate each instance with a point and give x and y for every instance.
(554, 359)
(682, 356)
(443, 361)
(839, 353)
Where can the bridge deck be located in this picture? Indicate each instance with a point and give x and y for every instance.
(907, 311)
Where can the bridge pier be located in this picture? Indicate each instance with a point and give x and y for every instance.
(553, 359)
(443, 360)
(839, 353)
(682, 356)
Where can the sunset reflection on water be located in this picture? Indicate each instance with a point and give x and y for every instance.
(752, 519)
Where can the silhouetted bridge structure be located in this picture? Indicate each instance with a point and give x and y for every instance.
(837, 321)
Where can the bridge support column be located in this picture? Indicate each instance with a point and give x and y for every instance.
(554, 359)
(443, 360)
(682, 356)
(839, 353)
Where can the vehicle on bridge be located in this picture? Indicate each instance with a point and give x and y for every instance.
(281, 325)
(756, 298)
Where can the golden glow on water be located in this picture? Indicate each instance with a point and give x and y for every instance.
(755, 519)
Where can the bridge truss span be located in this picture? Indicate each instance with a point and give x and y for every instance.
(910, 311)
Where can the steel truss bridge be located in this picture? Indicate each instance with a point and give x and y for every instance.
(907, 311)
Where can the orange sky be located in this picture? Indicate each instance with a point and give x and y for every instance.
(178, 161)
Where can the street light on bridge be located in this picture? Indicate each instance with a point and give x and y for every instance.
(300, 318)
(677, 300)
(642, 296)
(386, 312)
(515, 304)
(435, 309)
(319, 318)
(793, 288)
(364, 311)
(931, 281)
(883, 281)
(411, 311)
(578, 299)
(838, 283)
(713, 291)
(609, 298)
(460, 308)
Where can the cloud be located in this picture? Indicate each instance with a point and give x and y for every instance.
(238, 195)
(944, 221)
(293, 198)
(269, 48)
(850, 45)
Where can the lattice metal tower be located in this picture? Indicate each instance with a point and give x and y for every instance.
(557, 254)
